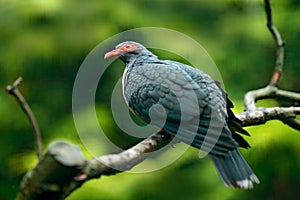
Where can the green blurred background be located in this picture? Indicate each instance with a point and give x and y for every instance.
(45, 42)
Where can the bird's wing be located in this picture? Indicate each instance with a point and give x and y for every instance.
(166, 95)
(234, 124)
(166, 85)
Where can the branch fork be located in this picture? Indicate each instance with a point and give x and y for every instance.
(286, 115)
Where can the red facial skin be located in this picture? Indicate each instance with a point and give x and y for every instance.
(126, 47)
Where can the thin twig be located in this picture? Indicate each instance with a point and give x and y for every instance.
(279, 43)
(262, 93)
(13, 90)
(288, 95)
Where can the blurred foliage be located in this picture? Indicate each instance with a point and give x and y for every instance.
(45, 42)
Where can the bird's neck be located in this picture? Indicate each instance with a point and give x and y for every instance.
(139, 59)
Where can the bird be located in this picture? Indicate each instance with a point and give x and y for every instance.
(188, 104)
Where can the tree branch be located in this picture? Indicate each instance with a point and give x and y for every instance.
(63, 168)
(262, 115)
(271, 90)
(14, 91)
(53, 174)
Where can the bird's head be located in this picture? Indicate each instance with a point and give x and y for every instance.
(127, 50)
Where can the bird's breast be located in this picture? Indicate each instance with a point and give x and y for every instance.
(131, 82)
(124, 83)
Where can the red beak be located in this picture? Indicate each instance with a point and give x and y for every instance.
(112, 53)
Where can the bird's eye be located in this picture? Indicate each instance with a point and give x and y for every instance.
(127, 46)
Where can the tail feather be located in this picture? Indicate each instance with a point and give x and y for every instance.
(234, 170)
